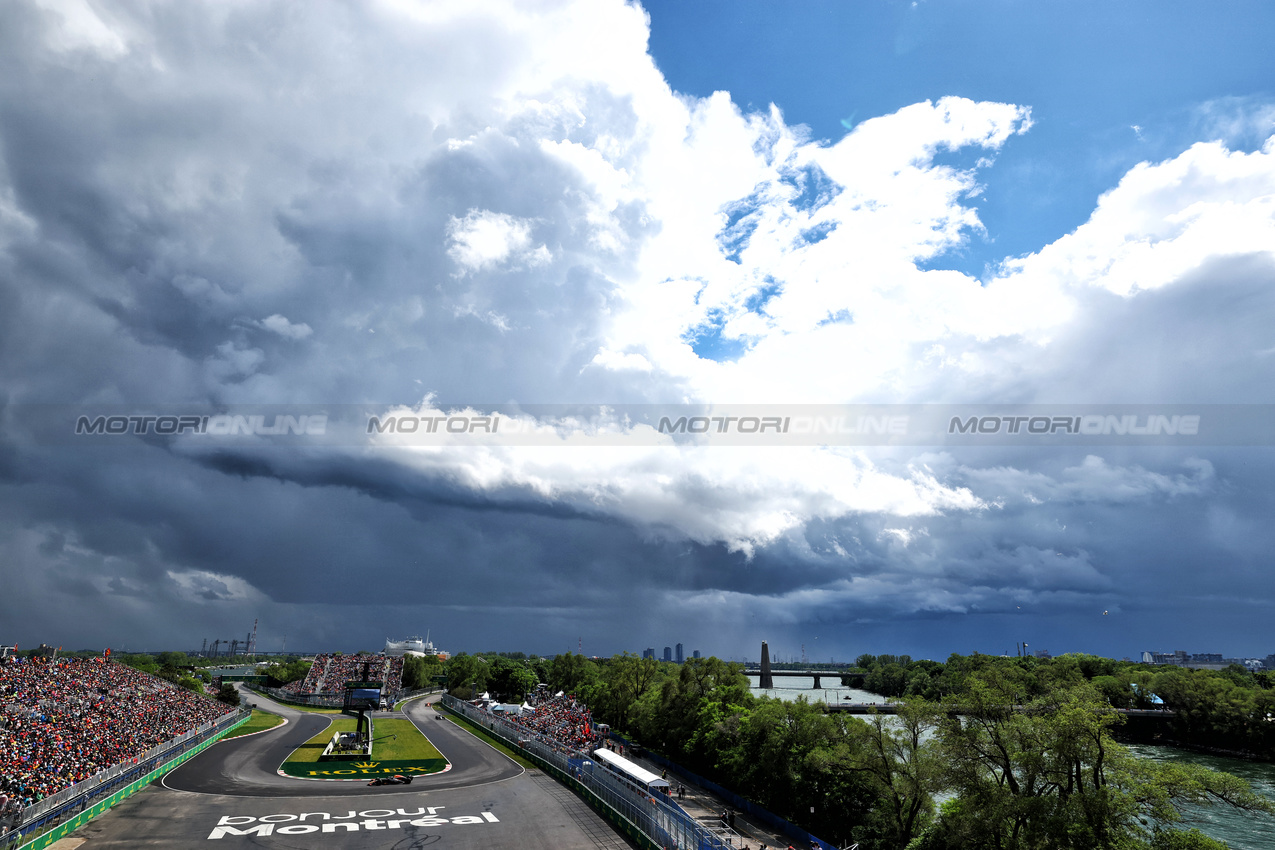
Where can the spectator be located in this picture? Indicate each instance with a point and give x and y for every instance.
(67, 720)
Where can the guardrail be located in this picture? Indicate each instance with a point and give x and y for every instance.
(658, 819)
(67, 803)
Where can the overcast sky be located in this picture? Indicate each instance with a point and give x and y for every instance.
(556, 211)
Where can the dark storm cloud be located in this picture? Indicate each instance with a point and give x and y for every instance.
(217, 205)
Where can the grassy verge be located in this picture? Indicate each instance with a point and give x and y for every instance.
(313, 748)
(314, 709)
(260, 720)
(499, 743)
(399, 740)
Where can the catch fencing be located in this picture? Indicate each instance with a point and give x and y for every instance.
(331, 699)
(56, 808)
(327, 700)
(658, 820)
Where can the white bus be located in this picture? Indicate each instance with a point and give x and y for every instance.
(635, 774)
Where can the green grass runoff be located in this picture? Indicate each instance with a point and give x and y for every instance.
(396, 740)
(259, 721)
(397, 747)
(313, 748)
(308, 709)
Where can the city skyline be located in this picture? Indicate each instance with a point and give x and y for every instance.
(907, 327)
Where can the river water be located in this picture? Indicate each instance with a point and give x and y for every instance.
(1239, 830)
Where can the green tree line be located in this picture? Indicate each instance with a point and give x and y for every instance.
(1019, 751)
(1229, 710)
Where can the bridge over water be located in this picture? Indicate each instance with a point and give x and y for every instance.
(803, 674)
(767, 676)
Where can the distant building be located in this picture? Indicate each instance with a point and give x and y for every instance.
(668, 653)
(1042, 653)
(649, 652)
(695, 654)
(679, 657)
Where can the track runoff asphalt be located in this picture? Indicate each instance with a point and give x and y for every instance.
(231, 796)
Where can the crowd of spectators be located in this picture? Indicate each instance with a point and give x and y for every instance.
(561, 719)
(309, 684)
(64, 721)
(329, 673)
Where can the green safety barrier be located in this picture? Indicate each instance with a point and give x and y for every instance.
(64, 829)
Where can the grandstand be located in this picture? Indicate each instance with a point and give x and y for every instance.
(560, 720)
(329, 673)
(64, 720)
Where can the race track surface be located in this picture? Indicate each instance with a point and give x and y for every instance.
(247, 767)
(231, 795)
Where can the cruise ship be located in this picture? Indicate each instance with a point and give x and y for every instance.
(411, 646)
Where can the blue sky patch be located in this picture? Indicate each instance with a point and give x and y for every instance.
(818, 233)
(841, 317)
(706, 340)
(757, 301)
(814, 188)
(742, 218)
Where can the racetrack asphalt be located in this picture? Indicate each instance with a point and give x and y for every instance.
(232, 795)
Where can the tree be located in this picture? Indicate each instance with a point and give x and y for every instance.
(419, 671)
(176, 659)
(904, 768)
(228, 694)
(628, 678)
(510, 679)
(1049, 775)
(466, 675)
(569, 672)
(278, 675)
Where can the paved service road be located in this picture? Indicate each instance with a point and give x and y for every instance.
(230, 795)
